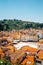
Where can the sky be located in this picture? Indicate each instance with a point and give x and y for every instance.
(29, 10)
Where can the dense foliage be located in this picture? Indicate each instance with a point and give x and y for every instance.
(18, 24)
(5, 62)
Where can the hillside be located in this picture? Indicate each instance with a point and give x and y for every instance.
(18, 24)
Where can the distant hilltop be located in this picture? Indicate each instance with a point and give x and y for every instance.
(18, 24)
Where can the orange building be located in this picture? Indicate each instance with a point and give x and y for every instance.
(29, 60)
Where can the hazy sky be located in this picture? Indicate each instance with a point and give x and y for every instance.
(31, 10)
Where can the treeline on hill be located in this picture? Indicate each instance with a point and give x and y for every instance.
(18, 24)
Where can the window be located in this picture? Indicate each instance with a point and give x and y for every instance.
(37, 61)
